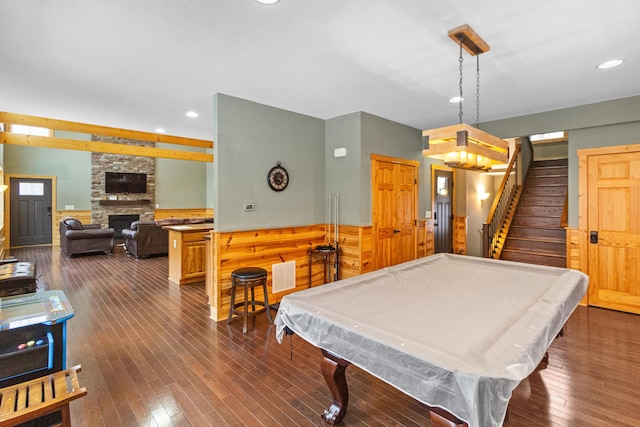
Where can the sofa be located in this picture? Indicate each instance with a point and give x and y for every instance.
(147, 238)
(77, 238)
(144, 238)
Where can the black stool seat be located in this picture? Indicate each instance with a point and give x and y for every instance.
(249, 273)
(248, 278)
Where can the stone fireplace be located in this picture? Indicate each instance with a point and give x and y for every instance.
(104, 205)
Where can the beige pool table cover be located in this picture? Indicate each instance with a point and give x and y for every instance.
(451, 331)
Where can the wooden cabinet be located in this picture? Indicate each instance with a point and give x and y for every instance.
(187, 252)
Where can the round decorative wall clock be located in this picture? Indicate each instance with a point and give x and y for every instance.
(278, 178)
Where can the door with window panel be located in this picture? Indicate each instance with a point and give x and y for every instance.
(443, 211)
(30, 211)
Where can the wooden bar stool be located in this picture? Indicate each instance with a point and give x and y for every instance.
(248, 278)
(36, 398)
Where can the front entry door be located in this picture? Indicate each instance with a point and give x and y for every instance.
(443, 211)
(30, 211)
(394, 210)
(613, 192)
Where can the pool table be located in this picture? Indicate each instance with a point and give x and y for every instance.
(456, 333)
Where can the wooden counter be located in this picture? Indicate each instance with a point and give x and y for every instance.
(187, 252)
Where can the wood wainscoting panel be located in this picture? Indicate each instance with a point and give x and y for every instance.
(430, 241)
(460, 235)
(577, 256)
(4, 253)
(84, 216)
(183, 213)
(421, 238)
(259, 248)
(425, 241)
(356, 245)
(265, 247)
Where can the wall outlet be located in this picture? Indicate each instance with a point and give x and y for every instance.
(248, 207)
(69, 207)
(427, 214)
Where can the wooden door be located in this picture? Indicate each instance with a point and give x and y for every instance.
(394, 210)
(613, 210)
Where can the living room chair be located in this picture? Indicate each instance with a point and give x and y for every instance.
(78, 238)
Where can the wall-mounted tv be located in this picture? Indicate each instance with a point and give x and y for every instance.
(122, 182)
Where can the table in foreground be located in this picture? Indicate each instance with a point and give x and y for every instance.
(456, 333)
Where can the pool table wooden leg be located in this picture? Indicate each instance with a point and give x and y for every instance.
(333, 369)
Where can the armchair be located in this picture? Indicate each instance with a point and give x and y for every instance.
(145, 238)
(78, 238)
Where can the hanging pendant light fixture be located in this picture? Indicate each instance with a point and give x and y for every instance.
(465, 146)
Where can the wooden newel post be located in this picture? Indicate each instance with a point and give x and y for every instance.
(485, 240)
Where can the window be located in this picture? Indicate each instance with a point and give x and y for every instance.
(30, 130)
(442, 186)
(31, 189)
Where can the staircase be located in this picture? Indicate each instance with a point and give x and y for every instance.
(535, 235)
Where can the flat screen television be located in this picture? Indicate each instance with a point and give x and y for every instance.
(123, 182)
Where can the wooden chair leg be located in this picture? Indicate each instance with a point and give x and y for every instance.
(66, 415)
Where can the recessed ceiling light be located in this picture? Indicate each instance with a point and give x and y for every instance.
(267, 1)
(160, 130)
(456, 100)
(192, 114)
(610, 64)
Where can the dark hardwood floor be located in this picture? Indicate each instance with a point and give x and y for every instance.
(150, 356)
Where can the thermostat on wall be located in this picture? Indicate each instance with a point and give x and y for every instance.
(248, 207)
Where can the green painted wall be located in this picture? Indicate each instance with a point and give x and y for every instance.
(608, 123)
(344, 174)
(363, 134)
(250, 138)
(387, 138)
(179, 183)
(73, 169)
(554, 150)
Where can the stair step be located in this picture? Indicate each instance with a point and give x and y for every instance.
(540, 190)
(534, 258)
(537, 210)
(538, 232)
(547, 247)
(536, 221)
(544, 163)
(541, 200)
(548, 170)
(547, 180)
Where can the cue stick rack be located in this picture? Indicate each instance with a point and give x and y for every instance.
(331, 246)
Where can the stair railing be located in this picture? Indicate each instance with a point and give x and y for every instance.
(492, 227)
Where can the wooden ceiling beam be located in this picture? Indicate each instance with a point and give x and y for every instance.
(21, 119)
(101, 147)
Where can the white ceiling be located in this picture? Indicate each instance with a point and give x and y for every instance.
(141, 64)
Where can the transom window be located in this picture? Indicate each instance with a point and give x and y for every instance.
(30, 130)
